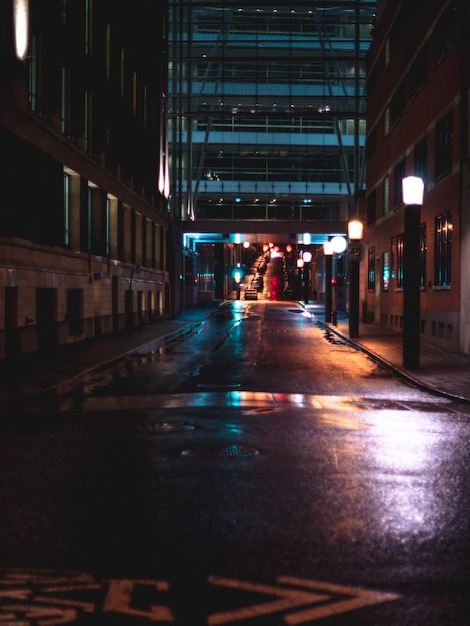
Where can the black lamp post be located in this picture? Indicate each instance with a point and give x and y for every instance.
(413, 189)
(355, 232)
(307, 257)
(300, 277)
(328, 254)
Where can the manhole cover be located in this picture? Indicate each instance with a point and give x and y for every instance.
(165, 427)
(225, 452)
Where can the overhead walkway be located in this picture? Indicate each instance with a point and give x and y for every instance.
(261, 231)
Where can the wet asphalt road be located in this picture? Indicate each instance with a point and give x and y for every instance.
(250, 473)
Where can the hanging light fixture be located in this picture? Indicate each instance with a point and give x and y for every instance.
(21, 27)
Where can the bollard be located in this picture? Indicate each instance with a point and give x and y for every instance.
(334, 318)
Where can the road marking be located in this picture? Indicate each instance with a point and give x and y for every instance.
(25, 599)
(119, 599)
(291, 598)
(360, 599)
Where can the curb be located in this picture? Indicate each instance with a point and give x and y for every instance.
(397, 371)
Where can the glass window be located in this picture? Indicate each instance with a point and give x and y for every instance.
(444, 141)
(387, 52)
(422, 255)
(371, 143)
(386, 195)
(67, 209)
(385, 271)
(398, 103)
(371, 207)
(418, 75)
(386, 121)
(278, 88)
(444, 35)
(421, 160)
(371, 269)
(398, 175)
(400, 259)
(443, 250)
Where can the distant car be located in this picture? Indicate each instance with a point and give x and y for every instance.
(251, 293)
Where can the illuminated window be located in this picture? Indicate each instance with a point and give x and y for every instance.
(400, 243)
(67, 209)
(371, 269)
(385, 272)
(443, 250)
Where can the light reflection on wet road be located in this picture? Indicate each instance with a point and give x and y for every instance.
(249, 473)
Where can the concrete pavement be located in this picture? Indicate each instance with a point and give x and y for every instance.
(440, 371)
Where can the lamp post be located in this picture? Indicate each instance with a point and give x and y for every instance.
(328, 254)
(413, 189)
(355, 232)
(307, 257)
(300, 267)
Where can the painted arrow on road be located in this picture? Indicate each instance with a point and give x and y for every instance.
(47, 598)
(318, 599)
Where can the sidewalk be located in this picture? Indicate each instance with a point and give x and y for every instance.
(40, 378)
(442, 372)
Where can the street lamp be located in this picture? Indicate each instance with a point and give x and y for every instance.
(307, 257)
(328, 254)
(300, 267)
(355, 233)
(413, 189)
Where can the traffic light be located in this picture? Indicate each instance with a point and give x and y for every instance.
(237, 276)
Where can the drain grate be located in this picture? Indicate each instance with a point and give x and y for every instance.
(165, 427)
(225, 452)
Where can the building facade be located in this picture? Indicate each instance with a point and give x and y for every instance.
(267, 114)
(86, 236)
(417, 124)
